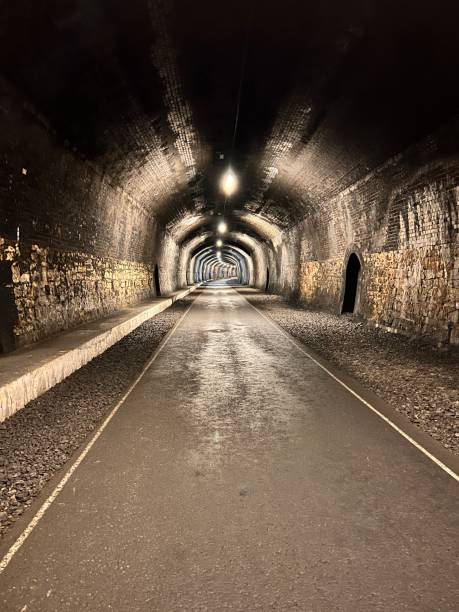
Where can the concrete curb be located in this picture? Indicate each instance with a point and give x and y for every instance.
(33, 371)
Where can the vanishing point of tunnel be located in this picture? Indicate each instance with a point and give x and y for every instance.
(229, 305)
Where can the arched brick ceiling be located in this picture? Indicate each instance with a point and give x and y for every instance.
(147, 90)
(233, 240)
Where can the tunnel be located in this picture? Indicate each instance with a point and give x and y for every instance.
(229, 263)
(118, 131)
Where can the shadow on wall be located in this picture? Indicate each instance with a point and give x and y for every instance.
(353, 269)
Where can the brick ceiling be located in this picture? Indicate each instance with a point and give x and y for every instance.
(148, 90)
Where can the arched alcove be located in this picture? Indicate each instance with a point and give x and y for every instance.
(352, 278)
(157, 284)
(8, 309)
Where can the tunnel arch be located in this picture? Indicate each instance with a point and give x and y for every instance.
(251, 247)
(207, 260)
(187, 225)
(204, 260)
(261, 236)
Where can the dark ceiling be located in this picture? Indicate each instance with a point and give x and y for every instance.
(149, 90)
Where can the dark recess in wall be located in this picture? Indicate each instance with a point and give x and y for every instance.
(157, 285)
(8, 310)
(352, 282)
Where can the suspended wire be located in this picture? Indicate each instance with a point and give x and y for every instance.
(241, 83)
(239, 96)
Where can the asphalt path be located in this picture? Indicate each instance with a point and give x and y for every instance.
(239, 475)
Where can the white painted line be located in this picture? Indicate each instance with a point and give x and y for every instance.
(423, 450)
(47, 503)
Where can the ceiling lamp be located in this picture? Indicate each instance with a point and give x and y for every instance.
(219, 243)
(229, 183)
(222, 227)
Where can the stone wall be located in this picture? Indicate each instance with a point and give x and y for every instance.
(320, 282)
(74, 245)
(53, 290)
(403, 220)
(414, 291)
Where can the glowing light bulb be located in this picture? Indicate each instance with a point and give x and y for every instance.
(229, 183)
(222, 227)
(219, 243)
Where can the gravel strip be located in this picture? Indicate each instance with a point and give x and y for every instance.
(418, 380)
(37, 441)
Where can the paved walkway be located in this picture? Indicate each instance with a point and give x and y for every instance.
(238, 475)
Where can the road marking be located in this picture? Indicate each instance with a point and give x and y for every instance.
(295, 343)
(47, 503)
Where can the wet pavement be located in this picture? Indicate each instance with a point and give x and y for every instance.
(238, 475)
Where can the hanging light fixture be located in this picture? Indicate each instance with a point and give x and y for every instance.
(219, 243)
(229, 183)
(222, 227)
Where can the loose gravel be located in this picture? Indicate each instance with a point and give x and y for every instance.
(38, 440)
(418, 380)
